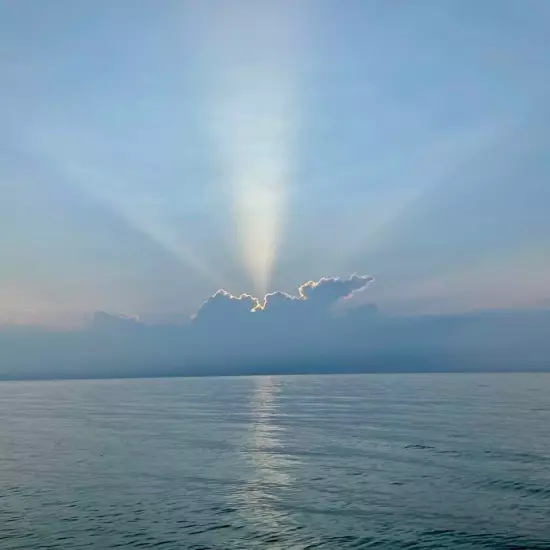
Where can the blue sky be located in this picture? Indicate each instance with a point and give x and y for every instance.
(153, 152)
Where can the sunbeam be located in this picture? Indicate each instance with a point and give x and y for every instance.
(256, 157)
(143, 214)
(253, 116)
(143, 218)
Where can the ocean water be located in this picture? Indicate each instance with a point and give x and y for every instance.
(375, 461)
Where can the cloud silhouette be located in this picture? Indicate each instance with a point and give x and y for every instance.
(246, 331)
(284, 333)
(332, 288)
(315, 297)
(104, 321)
(223, 305)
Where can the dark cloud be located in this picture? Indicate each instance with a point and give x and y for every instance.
(223, 306)
(322, 328)
(314, 297)
(103, 321)
(329, 289)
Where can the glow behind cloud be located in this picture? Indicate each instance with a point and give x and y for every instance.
(256, 158)
(253, 117)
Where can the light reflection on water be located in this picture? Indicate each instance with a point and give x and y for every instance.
(269, 465)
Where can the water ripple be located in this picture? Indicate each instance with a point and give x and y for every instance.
(330, 462)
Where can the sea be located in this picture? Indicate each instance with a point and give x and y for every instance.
(415, 461)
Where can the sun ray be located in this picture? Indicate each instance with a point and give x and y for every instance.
(253, 116)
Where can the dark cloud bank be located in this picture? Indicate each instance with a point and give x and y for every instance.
(321, 329)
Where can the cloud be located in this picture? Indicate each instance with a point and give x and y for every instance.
(312, 296)
(284, 333)
(108, 321)
(223, 305)
(333, 290)
(249, 331)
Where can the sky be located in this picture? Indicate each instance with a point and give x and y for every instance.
(152, 153)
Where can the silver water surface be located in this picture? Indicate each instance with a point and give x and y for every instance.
(374, 461)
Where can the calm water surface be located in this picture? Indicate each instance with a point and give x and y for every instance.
(374, 461)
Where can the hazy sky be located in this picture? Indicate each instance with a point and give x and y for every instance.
(153, 152)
